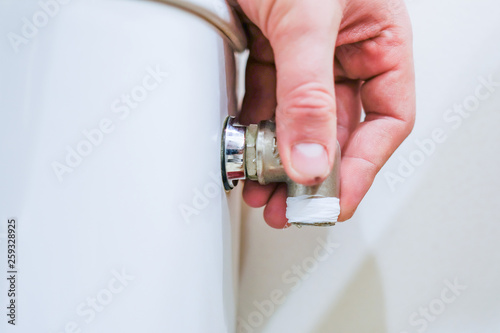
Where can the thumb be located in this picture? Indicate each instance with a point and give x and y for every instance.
(303, 42)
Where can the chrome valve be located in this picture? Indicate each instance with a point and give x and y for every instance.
(251, 152)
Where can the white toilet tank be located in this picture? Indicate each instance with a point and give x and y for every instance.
(112, 213)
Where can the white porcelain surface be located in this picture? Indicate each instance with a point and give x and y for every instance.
(134, 236)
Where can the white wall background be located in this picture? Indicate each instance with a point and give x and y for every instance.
(393, 266)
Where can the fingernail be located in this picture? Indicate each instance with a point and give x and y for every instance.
(310, 160)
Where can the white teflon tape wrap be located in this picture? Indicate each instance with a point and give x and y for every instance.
(307, 209)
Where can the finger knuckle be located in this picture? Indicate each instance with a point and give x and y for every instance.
(309, 102)
(408, 123)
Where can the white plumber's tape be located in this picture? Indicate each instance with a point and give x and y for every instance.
(307, 209)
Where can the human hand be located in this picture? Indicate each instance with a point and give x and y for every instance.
(316, 64)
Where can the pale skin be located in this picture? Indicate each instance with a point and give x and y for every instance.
(314, 65)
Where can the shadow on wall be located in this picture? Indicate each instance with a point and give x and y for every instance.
(361, 308)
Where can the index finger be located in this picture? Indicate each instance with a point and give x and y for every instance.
(385, 64)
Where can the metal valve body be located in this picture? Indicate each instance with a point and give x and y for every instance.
(251, 152)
